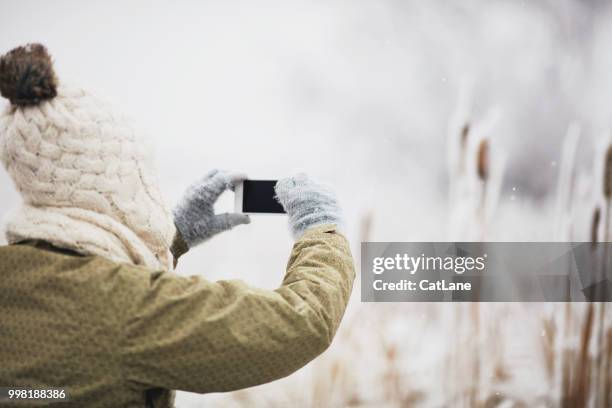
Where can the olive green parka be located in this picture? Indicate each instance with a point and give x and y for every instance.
(119, 335)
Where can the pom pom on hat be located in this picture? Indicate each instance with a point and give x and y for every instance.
(26, 75)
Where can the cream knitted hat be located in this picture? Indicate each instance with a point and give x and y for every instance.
(86, 179)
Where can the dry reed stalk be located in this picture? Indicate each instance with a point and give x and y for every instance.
(463, 146)
(458, 148)
(494, 400)
(456, 356)
(482, 171)
(566, 354)
(474, 396)
(566, 186)
(391, 376)
(548, 346)
(579, 396)
(395, 393)
(607, 192)
(599, 366)
(412, 399)
(569, 356)
(319, 391)
(331, 387)
(600, 376)
(497, 343)
(608, 370)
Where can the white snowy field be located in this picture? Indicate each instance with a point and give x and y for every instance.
(367, 96)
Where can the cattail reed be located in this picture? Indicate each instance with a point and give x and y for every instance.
(607, 187)
(463, 147)
(607, 192)
(482, 161)
(595, 221)
(600, 369)
(483, 172)
(580, 390)
(465, 132)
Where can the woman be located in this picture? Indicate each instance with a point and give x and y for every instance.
(88, 299)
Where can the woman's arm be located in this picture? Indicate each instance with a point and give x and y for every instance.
(194, 335)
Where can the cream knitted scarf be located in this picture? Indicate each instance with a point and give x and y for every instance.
(83, 231)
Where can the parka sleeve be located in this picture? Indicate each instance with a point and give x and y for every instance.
(194, 335)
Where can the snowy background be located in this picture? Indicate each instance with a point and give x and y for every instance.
(362, 94)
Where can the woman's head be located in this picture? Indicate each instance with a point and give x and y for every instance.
(65, 148)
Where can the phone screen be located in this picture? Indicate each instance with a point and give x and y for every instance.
(258, 197)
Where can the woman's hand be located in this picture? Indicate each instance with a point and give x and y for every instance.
(194, 216)
(307, 203)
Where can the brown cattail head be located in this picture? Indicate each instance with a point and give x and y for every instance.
(465, 133)
(595, 225)
(483, 160)
(27, 76)
(607, 187)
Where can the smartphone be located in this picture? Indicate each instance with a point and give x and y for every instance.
(257, 197)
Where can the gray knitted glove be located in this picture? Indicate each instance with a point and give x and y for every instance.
(194, 216)
(307, 203)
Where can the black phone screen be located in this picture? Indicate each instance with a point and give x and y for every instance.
(258, 197)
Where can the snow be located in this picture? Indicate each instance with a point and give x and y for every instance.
(360, 94)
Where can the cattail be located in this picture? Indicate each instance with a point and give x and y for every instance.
(607, 187)
(483, 160)
(465, 132)
(595, 226)
(463, 147)
(607, 190)
(482, 170)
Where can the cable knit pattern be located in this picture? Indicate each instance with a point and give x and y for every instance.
(307, 203)
(86, 180)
